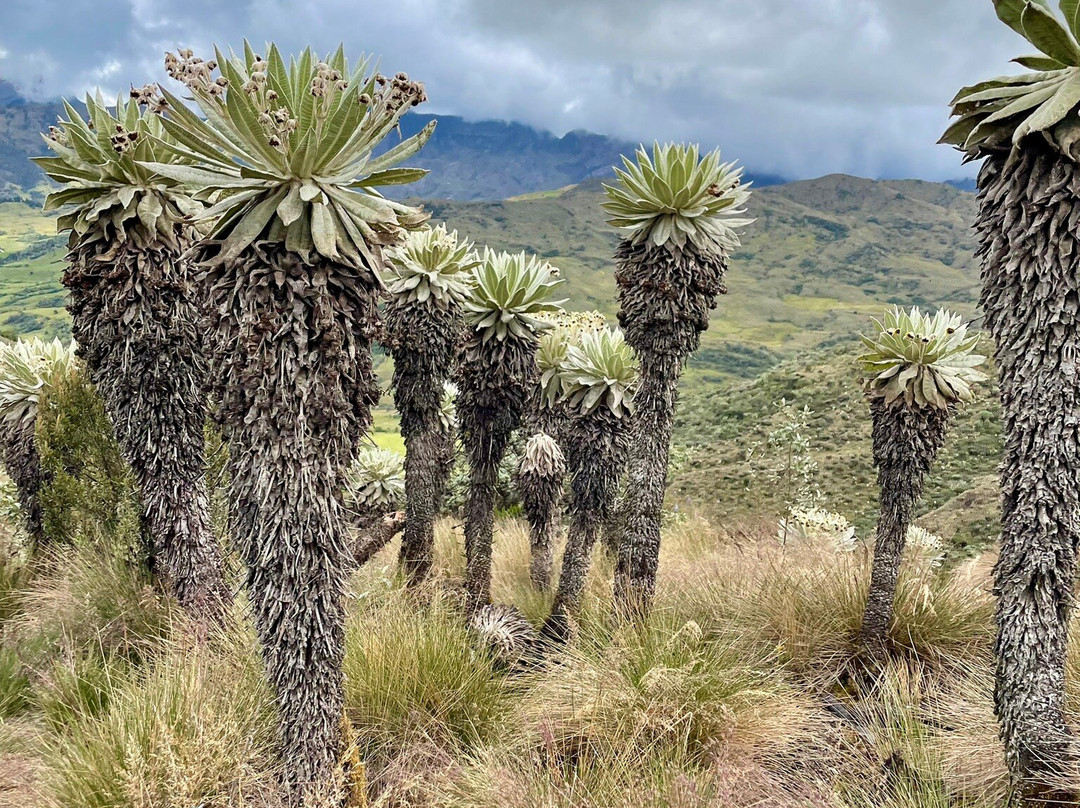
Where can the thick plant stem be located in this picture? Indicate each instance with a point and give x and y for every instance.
(429, 455)
(23, 465)
(906, 443)
(296, 388)
(479, 530)
(597, 446)
(646, 482)
(542, 550)
(374, 534)
(1028, 225)
(540, 502)
(665, 297)
(494, 378)
(422, 341)
(135, 319)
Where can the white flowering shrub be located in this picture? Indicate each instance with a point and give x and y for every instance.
(926, 544)
(817, 524)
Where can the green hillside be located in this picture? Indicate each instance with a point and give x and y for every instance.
(821, 258)
(726, 457)
(823, 255)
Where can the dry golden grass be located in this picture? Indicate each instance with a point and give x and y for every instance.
(728, 698)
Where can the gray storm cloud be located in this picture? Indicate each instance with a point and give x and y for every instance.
(795, 87)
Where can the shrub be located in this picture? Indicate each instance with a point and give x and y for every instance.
(91, 498)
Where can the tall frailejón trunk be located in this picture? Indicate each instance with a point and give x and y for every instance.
(596, 452)
(23, 465)
(494, 381)
(1029, 236)
(135, 316)
(665, 296)
(906, 443)
(423, 343)
(296, 387)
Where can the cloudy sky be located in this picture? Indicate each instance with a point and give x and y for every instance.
(796, 87)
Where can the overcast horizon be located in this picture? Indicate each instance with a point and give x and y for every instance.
(795, 89)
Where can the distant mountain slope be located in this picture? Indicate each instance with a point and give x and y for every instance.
(21, 125)
(821, 258)
(468, 160)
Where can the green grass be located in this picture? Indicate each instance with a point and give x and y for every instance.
(384, 430)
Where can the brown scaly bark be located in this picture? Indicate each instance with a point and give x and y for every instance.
(597, 444)
(135, 319)
(494, 380)
(23, 465)
(296, 387)
(1028, 226)
(422, 341)
(665, 296)
(374, 534)
(906, 443)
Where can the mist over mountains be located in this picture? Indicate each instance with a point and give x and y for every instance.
(481, 160)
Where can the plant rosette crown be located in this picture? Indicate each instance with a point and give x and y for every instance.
(553, 345)
(432, 267)
(600, 370)
(995, 115)
(376, 480)
(29, 368)
(674, 197)
(448, 407)
(921, 360)
(510, 291)
(542, 457)
(102, 163)
(286, 153)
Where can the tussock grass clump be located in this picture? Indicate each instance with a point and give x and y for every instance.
(414, 674)
(666, 689)
(14, 684)
(805, 601)
(90, 599)
(197, 727)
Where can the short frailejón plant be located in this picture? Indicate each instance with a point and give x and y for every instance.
(286, 153)
(1026, 128)
(680, 215)
(599, 375)
(428, 278)
(375, 490)
(134, 309)
(918, 368)
(28, 370)
(541, 484)
(496, 375)
(539, 480)
(376, 482)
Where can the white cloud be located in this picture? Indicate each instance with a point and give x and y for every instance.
(799, 88)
